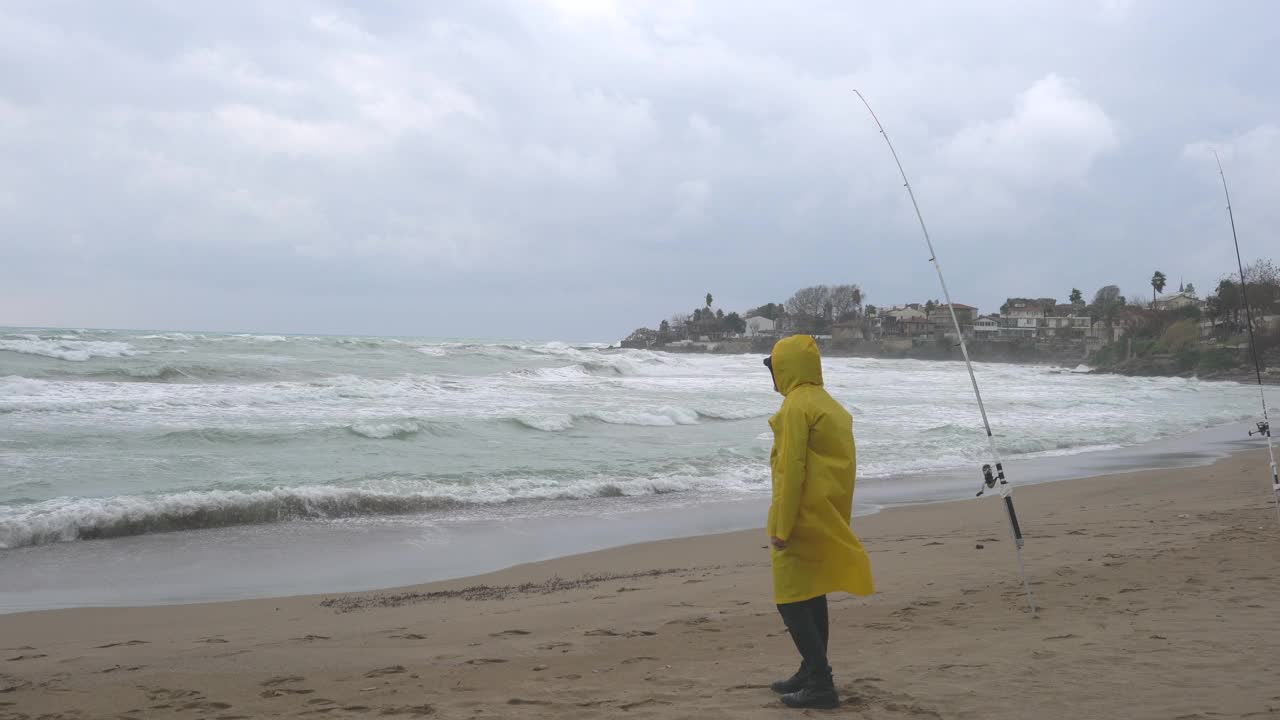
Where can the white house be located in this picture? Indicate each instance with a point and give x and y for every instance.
(986, 327)
(907, 313)
(760, 326)
(1055, 324)
(1173, 301)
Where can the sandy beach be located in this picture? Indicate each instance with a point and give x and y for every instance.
(1157, 591)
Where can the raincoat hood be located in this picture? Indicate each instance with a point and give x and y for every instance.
(796, 361)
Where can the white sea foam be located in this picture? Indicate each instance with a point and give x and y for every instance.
(67, 519)
(60, 349)
(385, 430)
(546, 423)
(490, 423)
(664, 416)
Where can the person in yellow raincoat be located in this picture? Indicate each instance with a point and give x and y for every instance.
(813, 549)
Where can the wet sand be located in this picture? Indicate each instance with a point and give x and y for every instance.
(1158, 593)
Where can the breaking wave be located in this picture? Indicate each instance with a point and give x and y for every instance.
(71, 519)
(550, 423)
(92, 518)
(393, 429)
(61, 348)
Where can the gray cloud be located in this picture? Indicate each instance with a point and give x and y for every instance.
(576, 168)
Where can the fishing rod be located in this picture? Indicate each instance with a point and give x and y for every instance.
(989, 478)
(1264, 426)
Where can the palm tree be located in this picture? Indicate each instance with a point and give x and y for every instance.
(1157, 286)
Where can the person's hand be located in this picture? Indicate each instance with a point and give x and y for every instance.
(778, 543)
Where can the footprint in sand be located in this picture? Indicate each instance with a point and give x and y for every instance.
(699, 620)
(605, 632)
(213, 641)
(390, 670)
(282, 692)
(510, 633)
(279, 680)
(26, 657)
(409, 710)
(522, 701)
(160, 694)
(206, 705)
(555, 646)
(642, 703)
(311, 638)
(642, 658)
(126, 643)
(409, 636)
(13, 685)
(485, 661)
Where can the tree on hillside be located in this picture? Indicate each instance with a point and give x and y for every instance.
(641, 337)
(1225, 303)
(771, 311)
(709, 300)
(1106, 306)
(1262, 271)
(808, 308)
(808, 302)
(846, 301)
(733, 324)
(1157, 286)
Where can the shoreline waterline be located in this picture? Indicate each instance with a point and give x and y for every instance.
(303, 558)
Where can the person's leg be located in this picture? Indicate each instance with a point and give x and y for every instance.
(816, 688)
(820, 617)
(800, 677)
(802, 623)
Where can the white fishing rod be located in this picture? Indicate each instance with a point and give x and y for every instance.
(989, 479)
(1264, 427)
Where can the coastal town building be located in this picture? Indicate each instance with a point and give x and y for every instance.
(1174, 301)
(760, 326)
(847, 331)
(943, 326)
(986, 327)
(906, 312)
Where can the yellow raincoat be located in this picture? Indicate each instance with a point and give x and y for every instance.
(814, 466)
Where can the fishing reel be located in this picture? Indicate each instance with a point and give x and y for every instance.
(989, 478)
(1264, 429)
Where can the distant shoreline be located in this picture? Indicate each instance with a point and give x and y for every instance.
(761, 346)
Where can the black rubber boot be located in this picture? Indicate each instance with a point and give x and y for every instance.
(795, 683)
(819, 693)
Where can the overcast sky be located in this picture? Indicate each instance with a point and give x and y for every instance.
(576, 168)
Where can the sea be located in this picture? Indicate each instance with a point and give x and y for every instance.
(143, 467)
